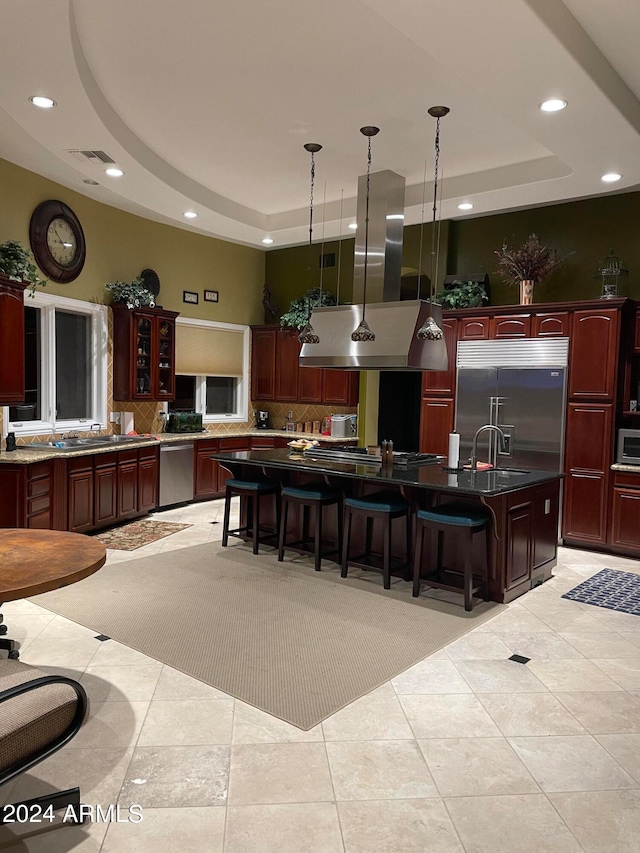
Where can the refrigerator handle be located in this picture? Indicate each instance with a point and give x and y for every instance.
(493, 419)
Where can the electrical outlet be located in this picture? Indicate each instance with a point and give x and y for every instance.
(114, 417)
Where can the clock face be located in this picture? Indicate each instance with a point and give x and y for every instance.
(57, 240)
(62, 242)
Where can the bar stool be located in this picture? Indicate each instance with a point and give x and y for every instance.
(466, 520)
(252, 491)
(384, 506)
(313, 495)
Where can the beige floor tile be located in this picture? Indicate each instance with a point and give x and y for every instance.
(526, 823)
(564, 675)
(191, 830)
(177, 777)
(376, 716)
(630, 637)
(603, 821)
(22, 626)
(545, 601)
(499, 676)
(115, 683)
(24, 607)
(60, 628)
(604, 713)
(251, 725)
(112, 652)
(286, 828)
(466, 767)
(392, 769)
(62, 652)
(187, 722)
(431, 676)
(448, 716)
(614, 620)
(576, 763)
(111, 724)
(540, 645)
(398, 826)
(279, 773)
(530, 714)
(608, 645)
(478, 646)
(626, 751)
(519, 620)
(624, 671)
(58, 838)
(174, 684)
(574, 621)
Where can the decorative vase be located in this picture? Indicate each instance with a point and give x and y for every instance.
(526, 292)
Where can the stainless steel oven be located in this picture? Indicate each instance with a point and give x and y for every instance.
(629, 446)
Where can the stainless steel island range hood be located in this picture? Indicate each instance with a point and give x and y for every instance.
(394, 322)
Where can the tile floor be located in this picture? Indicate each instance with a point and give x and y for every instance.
(465, 751)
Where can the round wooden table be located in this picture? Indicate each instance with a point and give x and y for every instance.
(35, 561)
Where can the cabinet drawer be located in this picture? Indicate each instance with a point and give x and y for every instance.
(40, 469)
(628, 481)
(146, 453)
(38, 487)
(551, 325)
(125, 456)
(80, 463)
(37, 505)
(106, 460)
(513, 326)
(235, 444)
(207, 445)
(474, 329)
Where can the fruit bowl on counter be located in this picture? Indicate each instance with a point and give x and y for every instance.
(301, 444)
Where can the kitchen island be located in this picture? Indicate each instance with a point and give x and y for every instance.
(523, 504)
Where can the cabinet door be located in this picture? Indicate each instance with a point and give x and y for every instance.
(625, 522)
(341, 387)
(310, 384)
(11, 342)
(105, 509)
(436, 422)
(519, 541)
(146, 356)
(147, 481)
(80, 486)
(165, 370)
(127, 489)
(443, 381)
(287, 351)
(637, 335)
(593, 359)
(206, 469)
(551, 325)
(263, 364)
(585, 511)
(473, 329)
(259, 443)
(513, 326)
(589, 441)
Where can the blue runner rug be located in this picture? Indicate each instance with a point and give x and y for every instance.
(610, 588)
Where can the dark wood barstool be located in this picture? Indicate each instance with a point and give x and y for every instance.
(252, 491)
(384, 506)
(465, 520)
(313, 495)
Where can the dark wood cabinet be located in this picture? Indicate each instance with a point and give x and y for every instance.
(105, 509)
(80, 494)
(443, 381)
(436, 422)
(263, 363)
(636, 339)
(310, 384)
(473, 329)
(511, 326)
(519, 544)
(144, 343)
(340, 387)
(551, 325)
(127, 483)
(287, 352)
(589, 436)
(205, 475)
(230, 445)
(593, 360)
(625, 517)
(585, 507)
(148, 478)
(11, 341)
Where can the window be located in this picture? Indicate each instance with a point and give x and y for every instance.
(65, 367)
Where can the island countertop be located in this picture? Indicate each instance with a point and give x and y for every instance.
(495, 481)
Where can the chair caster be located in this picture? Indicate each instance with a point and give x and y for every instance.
(3, 629)
(14, 655)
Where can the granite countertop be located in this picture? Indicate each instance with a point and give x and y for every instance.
(24, 455)
(622, 466)
(432, 476)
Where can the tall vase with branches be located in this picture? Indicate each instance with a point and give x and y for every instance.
(526, 265)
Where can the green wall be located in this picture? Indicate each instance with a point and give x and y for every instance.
(120, 245)
(585, 231)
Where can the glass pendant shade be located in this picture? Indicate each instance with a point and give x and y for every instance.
(308, 336)
(430, 331)
(363, 333)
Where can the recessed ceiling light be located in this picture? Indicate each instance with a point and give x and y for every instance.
(353, 225)
(114, 172)
(466, 205)
(267, 240)
(190, 214)
(553, 105)
(43, 103)
(611, 177)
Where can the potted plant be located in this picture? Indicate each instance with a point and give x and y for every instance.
(463, 294)
(16, 262)
(300, 309)
(133, 294)
(527, 265)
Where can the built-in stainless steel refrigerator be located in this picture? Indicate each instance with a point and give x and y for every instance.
(520, 386)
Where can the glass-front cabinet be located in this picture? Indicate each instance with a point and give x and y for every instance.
(144, 354)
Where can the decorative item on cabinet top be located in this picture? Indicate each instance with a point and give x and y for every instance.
(132, 294)
(16, 263)
(527, 265)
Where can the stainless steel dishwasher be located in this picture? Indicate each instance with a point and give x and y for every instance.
(176, 473)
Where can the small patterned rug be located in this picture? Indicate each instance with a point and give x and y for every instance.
(138, 533)
(610, 588)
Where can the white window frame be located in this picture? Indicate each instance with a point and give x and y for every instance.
(242, 388)
(47, 303)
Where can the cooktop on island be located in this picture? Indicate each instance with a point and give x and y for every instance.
(349, 453)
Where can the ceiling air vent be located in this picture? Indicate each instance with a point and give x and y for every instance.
(91, 156)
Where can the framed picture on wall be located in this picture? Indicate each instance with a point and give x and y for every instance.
(190, 296)
(211, 296)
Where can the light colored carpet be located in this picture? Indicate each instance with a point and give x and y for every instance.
(296, 643)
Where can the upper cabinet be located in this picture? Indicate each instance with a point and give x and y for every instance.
(443, 381)
(11, 341)
(551, 325)
(474, 329)
(340, 387)
(593, 359)
(144, 354)
(511, 326)
(263, 363)
(287, 351)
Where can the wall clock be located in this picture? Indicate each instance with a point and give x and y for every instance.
(57, 240)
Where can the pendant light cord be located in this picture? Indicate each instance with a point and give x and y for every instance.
(313, 179)
(366, 232)
(424, 187)
(324, 204)
(435, 206)
(339, 249)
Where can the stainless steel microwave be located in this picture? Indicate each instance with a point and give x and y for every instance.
(629, 446)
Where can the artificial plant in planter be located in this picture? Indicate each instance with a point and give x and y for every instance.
(132, 294)
(300, 309)
(16, 262)
(527, 265)
(463, 294)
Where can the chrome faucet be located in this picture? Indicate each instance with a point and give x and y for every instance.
(474, 446)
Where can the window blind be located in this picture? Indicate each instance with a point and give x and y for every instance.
(206, 351)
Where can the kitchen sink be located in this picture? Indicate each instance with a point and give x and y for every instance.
(68, 444)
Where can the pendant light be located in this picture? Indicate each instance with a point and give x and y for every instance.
(431, 331)
(363, 333)
(307, 335)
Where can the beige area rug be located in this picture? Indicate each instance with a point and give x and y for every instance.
(295, 643)
(138, 533)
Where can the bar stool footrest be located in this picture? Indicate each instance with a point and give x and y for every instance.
(451, 581)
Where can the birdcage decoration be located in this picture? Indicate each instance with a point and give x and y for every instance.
(609, 273)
